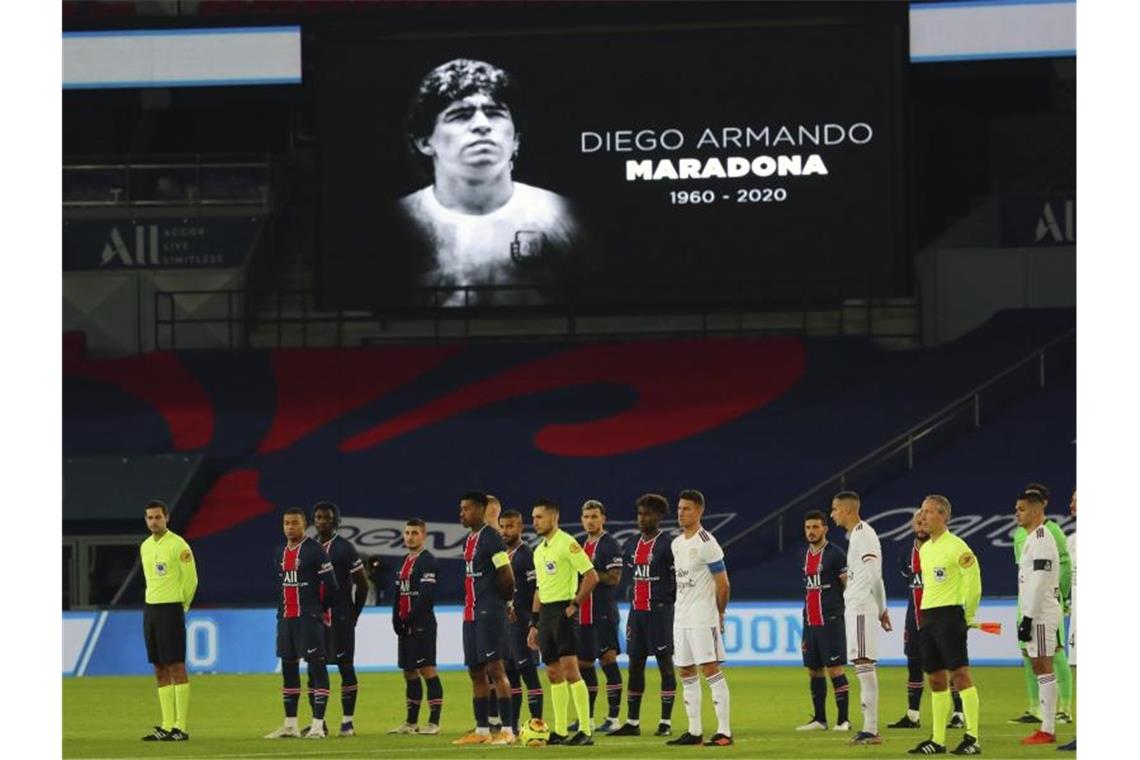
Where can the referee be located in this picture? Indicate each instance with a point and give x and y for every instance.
(171, 580)
(952, 588)
(558, 561)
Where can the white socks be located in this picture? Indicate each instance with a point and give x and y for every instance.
(691, 693)
(719, 688)
(869, 696)
(1047, 699)
(291, 722)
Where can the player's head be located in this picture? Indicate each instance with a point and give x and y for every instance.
(919, 526)
(845, 509)
(510, 527)
(472, 509)
(463, 121)
(651, 508)
(593, 516)
(815, 527)
(1030, 509)
(1073, 504)
(293, 523)
(1040, 488)
(935, 514)
(326, 519)
(157, 515)
(544, 514)
(415, 531)
(690, 507)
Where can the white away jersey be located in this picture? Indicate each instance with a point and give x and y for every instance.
(864, 594)
(696, 592)
(1039, 577)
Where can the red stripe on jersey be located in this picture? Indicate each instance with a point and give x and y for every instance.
(642, 588)
(813, 601)
(405, 609)
(469, 581)
(916, 592)
(586, 611)
(290, 595)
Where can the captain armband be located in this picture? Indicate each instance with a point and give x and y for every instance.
(717, 567)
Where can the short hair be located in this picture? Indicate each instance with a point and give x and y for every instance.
(416, 522)
(815, 514)
(653, 501)
(478, 497)
(692, 494)
(594, 504)
(1032, 495)
(1039, 488)
(847, 496)
(942, 502)
(452, 81)
(492, 498)
(157, 504)
(328, 506)
(548, 504)
(510, 514)
(295, 511)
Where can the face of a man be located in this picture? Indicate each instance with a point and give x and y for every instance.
(544, 520)
(919, 527)
(294, 527)
(470, 514)
(413, 537)
(473, 138)
(510, 528)
(325, 523)
(1027, 512)
(647, 519)
(931, 518)
(841, 513)
(592, 521)
(156, 521)
(688, 513)
(814, 531)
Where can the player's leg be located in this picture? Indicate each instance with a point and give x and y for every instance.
(637, 645)
(344, 650)
(817, 683)
(413, 698)
(1064, 675)
(612, 672)
(534, 692)
(434, 691)
(579, 694)
(406, 662)
(586, 647)
(661, 627)
(686, 662)
(497, 675)
(914, 688)
(477, 671)
(835, 653)
(287, 646)
(1040, 649)
(318, 675)
(954, 653)
(511, 666)
(1030, 715)
(710, 653)
(938, 678)
(493, 718)
(590, 678)
(861, 650)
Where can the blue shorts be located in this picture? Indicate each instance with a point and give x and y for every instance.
(649, 633)
(594, 640)
(485, 637)
(301, 638)
(825, 646)
(417, 649)
(340, 638)
(520, 654)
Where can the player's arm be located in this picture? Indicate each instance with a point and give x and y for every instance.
(586, 585)
(504, 575)
(971, 579)
(1065, 579)
(610, 572)
(327, 576)
(426, 596)
(358, 579)
(189, 576)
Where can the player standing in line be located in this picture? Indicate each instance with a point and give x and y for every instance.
(864, 599)
(824, 642)
(522, 661)
(308, 588)
(171, 580)
(649, 629)
(559, 561)
(951, 591)
(413, 620)
(1039, 598)
(596, 632)
(1060, 659)
(340, 624)
(698, 630)
(911, 568)
(488, 586)
(1072, 544)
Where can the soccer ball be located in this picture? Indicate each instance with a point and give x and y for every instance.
(535, 733)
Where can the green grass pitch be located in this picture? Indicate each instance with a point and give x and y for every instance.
(106, 716)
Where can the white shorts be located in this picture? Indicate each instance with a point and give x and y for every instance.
(1044, 639)
(696, 646)
(862, 636)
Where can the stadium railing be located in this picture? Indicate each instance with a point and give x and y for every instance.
(188, 180)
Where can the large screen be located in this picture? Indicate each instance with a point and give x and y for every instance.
(631, 166)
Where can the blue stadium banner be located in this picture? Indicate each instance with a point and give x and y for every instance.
(158, 243)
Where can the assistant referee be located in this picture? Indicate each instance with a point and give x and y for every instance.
(558, 561)
(171, 580)
(952, 588)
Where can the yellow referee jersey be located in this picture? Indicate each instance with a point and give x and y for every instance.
(168, 566)
(558, 561)
(950, 575)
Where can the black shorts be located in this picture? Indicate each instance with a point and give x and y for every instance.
(912, 641)
(594, 640)
(825, 646)
(340, 638)
(164, 630)
(417, 649)
(555, 632)
(649, 633)
(943, 637)
(485, 637)
(301, 638)
(520, 654)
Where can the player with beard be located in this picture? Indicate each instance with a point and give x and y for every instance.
(413, 620)
(522, 665)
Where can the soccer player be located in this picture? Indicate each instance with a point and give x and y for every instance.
(864, 597)
(649, 629)
(698, 629)
(488, 586)
(824, 642)
(597, 631)
(308, 589)
(522, 664)
(413, 620)
(911, 568)
(559, 561)
(171, 580)
(340, 624)
(1072, 543)
(951, 590)
(1060, 659)
(1038, 597)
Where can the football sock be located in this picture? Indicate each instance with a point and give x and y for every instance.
(533, 690)
(1030, 685)
(691, 694)
(481, 706)
(348, 687)
(914, 684)
(819, 698)
(502, 697)
(668, 693)
(590, 677)
(939, 714)
(492, 705)
(869, 696)
(842, 693)
(413, 696)
(613, 688)
(320, 674)
(633, 698)
(580, 693)
(718, 685)
(516, 698)
(972, 710)
(181, 705)
(1064, 680)
(166, 704)
(1047, 686)
(560, 698)
(957, 698)
(435, 698)
(291, 691)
